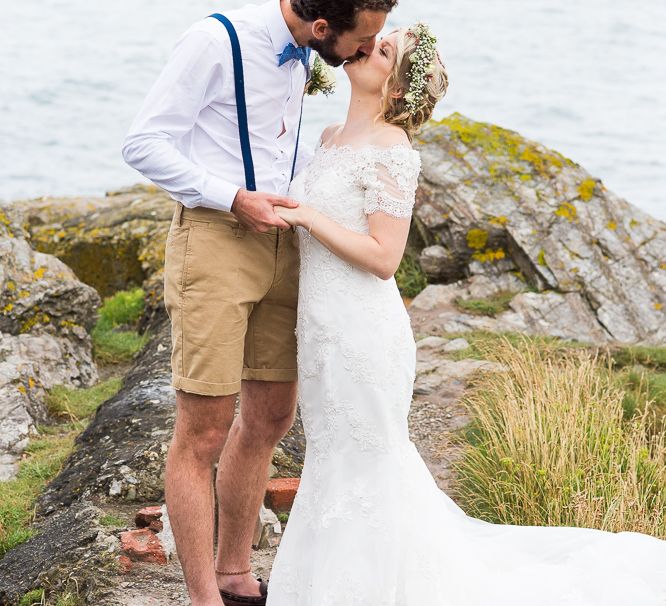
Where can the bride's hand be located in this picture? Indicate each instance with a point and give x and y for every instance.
(294, 216)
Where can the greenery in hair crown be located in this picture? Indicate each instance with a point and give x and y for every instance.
(423, 65)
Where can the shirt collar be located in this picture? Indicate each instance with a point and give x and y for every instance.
(277, 27)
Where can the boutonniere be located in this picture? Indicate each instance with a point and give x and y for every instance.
(322, 78)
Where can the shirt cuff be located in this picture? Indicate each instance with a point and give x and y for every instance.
(218, 193)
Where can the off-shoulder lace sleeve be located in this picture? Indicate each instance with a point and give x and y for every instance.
(390, 178)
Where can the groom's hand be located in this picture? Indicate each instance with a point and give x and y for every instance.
(256, 210)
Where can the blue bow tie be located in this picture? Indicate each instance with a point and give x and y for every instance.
(294, 52)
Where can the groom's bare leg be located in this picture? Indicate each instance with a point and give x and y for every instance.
(266, 415)
(202, 425)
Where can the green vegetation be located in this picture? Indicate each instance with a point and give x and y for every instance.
(490, 306)
(44, 457)
(112, 521)
(76, 404)
(114, 336)
(410, 277)
(553, 442)
(32, 598)
(283, 516)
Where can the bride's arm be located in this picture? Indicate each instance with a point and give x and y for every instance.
(389, 178)
(378, 252)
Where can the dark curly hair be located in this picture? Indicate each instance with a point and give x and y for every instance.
(340, 14)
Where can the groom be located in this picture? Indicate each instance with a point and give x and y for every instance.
(231, 264)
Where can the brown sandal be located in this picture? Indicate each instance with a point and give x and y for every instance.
(232, 599)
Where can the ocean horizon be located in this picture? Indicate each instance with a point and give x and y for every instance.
(586, 80)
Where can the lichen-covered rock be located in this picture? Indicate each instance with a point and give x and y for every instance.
(111, 243)
(45, 315)
(493, 202)
(70, 551)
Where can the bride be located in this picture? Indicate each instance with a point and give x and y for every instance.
(369, 525)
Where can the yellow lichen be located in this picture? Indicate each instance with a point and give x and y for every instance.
(662, 265)
(7, 308)
(22, 389)
(39, 273)
(477, 238)
(586, 190)
(634, 223)
(489, 255)
(23, 294)
(658, 306)
(541, 258)
(611, 225)
(499, 220)
(508, 153)
(568, 211)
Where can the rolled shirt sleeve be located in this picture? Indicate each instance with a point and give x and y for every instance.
(189, 81)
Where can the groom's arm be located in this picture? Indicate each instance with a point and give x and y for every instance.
(191, 79)
(188, 82)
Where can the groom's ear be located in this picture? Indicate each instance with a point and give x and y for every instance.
(320, 29)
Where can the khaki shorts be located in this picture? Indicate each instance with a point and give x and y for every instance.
(231, 296)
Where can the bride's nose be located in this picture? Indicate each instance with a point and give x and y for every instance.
(368, 47)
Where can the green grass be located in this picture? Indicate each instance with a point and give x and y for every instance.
(76, 404)
(33, 597)
(551, 442)
(114, 336)
(410, 277)
(490, 306)
(652, 357)
(112, 521)
(43, 459)
(283, 516)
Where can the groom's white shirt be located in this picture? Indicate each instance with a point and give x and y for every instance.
(185, 136)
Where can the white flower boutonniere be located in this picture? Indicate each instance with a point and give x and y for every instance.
(322, 78)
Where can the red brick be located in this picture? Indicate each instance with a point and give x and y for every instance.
(280, 493)
(149, 517)
(142, 546)
(125, 564)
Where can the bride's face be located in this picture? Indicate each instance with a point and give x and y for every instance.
(370, 72)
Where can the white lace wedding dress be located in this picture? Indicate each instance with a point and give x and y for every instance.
(369, 526)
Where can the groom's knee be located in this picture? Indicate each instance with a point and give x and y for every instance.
(267, 414)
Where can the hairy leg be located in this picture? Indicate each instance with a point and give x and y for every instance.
(202, 426)
(266, 415)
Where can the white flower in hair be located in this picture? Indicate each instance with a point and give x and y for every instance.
(422, 60)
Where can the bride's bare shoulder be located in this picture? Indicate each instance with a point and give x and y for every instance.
(329, 131)
(390, 135)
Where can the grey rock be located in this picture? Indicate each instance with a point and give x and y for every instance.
(45, 315)
(268, 530)
(501, 205)
(431, 343)
(69, 551)
(456, 345)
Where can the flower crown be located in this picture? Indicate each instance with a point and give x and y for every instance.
(423, 66)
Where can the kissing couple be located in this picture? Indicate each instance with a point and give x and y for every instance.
(279, 266)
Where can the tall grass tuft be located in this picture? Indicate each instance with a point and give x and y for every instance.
(549, 445)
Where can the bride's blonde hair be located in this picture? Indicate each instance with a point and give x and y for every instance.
(395, 108)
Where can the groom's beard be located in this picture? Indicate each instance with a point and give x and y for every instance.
(326, 50)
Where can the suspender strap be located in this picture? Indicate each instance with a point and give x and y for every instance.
(241, 106)
(308, 50)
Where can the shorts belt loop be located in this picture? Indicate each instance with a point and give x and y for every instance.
(178, 218)
(239, 231)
